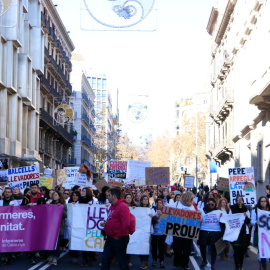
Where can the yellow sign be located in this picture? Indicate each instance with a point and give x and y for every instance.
(46, 182)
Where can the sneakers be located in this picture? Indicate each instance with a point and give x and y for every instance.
(154, 263)
(162, 265)
(203, 264)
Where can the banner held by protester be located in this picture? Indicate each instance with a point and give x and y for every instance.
(26, 228)
(180, 223)
(242, 183)
(23, 177)
(264, 233)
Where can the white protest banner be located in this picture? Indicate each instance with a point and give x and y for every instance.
(189, 181)
(233, 224)
(136, 169)
(242, 183)
(84, 226)
(85, 230)
(75, 178)
(138, 183)
(23, 177)
(48, 172)
(264, 233)
(139, 241)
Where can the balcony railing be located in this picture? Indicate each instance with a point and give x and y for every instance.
(46, 83)
(85, 98)
(86, 141)
(58, 128)
(45, 21)
(85, 118)
(93, 128)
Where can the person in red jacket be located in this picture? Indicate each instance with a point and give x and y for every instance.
(117, 231)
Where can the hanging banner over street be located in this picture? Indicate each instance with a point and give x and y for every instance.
(223, 184)
(180, 223)
(189, 181)
(23, 177)
(136, 169)
(264, 233)
(242, 183)
(21, 227)
(157, 176)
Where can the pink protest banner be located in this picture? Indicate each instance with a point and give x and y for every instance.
(25, 228)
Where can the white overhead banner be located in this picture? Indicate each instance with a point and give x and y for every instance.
(85, 230)
(242, 182)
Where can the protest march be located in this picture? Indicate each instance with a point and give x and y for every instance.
(151, 221)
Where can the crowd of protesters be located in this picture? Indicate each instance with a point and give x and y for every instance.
(153, 198)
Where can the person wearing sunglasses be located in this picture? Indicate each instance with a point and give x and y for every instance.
(240, 245)
(263, 204)
(210, 231)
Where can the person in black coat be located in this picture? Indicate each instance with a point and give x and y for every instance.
(242, 242)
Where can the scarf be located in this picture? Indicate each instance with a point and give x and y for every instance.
(6, 201)
(35, 200)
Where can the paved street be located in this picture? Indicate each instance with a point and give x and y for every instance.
(250, 263)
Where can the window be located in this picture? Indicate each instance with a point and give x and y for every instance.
(98, 83)
(98, 95)
(103, 95)
(94, 82)
(103, 84)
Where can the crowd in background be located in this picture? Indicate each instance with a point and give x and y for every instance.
(154, 198)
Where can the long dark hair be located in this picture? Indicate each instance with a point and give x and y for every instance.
(71, 197)
(102, 196)
(61, 198)
(141, 201)
(88, 197)
(132, 199)
(259, 202)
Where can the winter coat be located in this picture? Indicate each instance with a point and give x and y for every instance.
(118, 221)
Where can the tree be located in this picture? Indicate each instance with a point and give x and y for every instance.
(126, 150)
(158, 151)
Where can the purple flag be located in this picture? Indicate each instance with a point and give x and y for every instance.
(24, 228)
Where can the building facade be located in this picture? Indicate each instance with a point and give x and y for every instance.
(82, 101)
(238, 127)
(55, 137)
(106, 122)
(21, 64)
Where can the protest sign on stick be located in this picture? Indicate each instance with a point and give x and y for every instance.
(113, 184)
(100, 184)
(157, 176)
(180, 223)
(46, 182)
(189, 181)
(223, 184)
(61, 176)
(242, 183)
(136, 169)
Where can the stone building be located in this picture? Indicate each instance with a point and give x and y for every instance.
(55, 138)
(21, 64)
(239, 128)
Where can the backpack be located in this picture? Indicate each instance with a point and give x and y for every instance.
(132, 227)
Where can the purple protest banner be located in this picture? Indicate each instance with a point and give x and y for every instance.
(25, 228)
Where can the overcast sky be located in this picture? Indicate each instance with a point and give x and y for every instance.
(167, 64)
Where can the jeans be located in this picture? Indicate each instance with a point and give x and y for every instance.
(158, 242)
(117, 247)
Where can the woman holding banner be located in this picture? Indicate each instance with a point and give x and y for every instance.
(144, 202)
(263, 204)
(158, 239)
(210, 231)
(242, 242)
(57, 198)
(182, 246)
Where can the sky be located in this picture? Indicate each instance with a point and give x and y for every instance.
(154, 68)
